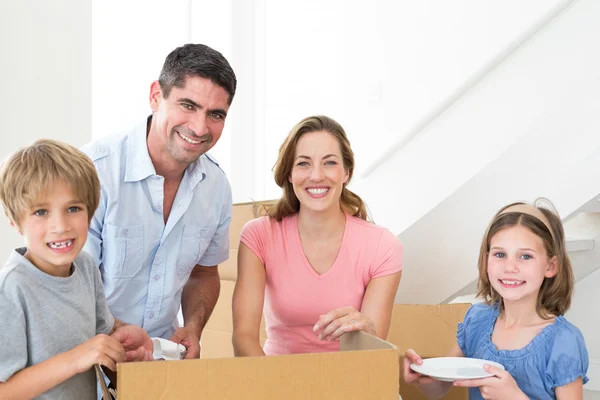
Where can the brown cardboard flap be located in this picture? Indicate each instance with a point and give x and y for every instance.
(371, 374)
(352, 341)
(218, 344)
(430, 330)
(221, 319)
(228, 269)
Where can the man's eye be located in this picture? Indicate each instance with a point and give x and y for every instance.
(187, 106)
(216, 116)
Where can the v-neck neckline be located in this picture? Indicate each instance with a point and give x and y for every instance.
(336, 261)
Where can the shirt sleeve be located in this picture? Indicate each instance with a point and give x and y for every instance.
(93, 244)
(569, 358)
(13, 336)
(388, 259)
(254, 235)
(104, 318)
(218, 249)
(473, 326)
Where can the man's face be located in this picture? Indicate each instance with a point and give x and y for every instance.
(188, 122)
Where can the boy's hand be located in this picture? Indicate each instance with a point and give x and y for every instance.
(136, 342)
(408, 374)
(101, 349)
(500, 386)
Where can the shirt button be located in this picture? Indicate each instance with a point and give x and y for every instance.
(151, 315)
(156, 277)
(125, 232)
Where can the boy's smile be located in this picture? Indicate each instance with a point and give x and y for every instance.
(55, 229)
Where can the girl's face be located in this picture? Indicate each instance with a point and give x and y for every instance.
(518, 264)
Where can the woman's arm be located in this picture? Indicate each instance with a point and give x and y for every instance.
(248, 300)
(379, 300)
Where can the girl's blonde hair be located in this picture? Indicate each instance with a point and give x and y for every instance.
(289, 204)
(554, 297)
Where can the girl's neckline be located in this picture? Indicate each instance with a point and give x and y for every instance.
(529, 349)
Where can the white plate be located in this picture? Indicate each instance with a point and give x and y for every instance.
(450, 369)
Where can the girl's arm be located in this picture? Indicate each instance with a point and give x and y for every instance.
(570, 391)
(429, 387)
(37, 379)
(248, 300)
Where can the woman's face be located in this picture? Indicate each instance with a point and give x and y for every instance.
(318, 175)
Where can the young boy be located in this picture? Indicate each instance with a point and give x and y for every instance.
(55, 319)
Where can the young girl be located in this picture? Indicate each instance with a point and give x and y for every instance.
(525, 276)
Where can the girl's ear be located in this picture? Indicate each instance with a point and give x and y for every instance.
(552, 268)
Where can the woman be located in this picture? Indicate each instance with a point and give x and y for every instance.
(316, 264)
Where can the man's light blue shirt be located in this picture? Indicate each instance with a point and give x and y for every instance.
(144, 262)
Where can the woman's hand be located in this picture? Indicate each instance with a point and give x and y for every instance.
(498, 387)
(341, 320)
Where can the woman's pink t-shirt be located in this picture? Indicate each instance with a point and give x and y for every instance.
(296, 295)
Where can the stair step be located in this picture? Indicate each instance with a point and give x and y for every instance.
(579, 244)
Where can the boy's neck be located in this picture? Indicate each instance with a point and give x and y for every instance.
(53, 270)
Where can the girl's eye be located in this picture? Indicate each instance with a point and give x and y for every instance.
(526, 257)
(499, 255)
(40, 213)
(73, 209)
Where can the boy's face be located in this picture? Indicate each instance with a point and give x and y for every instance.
(55, 229)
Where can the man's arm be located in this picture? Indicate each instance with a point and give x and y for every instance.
(198, 300)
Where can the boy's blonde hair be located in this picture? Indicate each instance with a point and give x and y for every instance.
(554, 297)
(28, 173)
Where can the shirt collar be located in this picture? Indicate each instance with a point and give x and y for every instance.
(139, 166)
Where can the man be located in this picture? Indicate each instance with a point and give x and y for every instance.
(162, 225)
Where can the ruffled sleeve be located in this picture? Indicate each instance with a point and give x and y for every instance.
(568, 358)
(474, 327)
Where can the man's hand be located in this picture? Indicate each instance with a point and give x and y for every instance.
(188, 337)
(136, 342)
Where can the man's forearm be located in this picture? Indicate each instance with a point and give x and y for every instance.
(199, 297)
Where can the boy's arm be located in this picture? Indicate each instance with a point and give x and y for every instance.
(37, 379)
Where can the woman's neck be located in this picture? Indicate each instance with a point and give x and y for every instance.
(321, 224)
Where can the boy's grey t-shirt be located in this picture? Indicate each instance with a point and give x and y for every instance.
(44, 315)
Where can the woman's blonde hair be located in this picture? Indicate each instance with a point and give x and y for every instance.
(289, 204)
(28, 173)
(554, 297)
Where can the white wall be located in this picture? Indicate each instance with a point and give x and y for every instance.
(45, 76)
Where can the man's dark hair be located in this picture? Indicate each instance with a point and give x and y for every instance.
(193, 60)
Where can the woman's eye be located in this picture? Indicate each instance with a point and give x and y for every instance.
(331, 163)
(302, 164)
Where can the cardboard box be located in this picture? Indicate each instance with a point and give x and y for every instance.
(430, 330)
(366, 368)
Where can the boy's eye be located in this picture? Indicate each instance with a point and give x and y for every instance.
(40, 213)
(73, 209)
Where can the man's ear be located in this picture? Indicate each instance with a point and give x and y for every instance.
(155, 95)
(552, 268)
